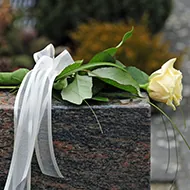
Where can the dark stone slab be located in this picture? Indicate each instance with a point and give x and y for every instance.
(118, 159)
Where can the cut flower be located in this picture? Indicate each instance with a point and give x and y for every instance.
(165, 85)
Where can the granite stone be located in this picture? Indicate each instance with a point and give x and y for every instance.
(118, 159)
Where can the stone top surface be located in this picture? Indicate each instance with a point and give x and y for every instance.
(7, 102)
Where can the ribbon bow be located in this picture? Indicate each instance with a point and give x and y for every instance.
(32, 120)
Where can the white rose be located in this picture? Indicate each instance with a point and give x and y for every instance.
(165, 85)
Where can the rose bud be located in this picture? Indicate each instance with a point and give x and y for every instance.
(165, 85)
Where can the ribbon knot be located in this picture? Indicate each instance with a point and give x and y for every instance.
(32, 120)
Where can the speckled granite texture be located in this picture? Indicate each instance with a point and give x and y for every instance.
(118, 159)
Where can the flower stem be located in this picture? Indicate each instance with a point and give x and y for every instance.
(144, 86)
(172, 123)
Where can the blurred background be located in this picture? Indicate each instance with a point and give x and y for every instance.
(162, 31)
(84, 28)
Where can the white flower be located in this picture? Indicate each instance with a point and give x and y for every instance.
(165, 85)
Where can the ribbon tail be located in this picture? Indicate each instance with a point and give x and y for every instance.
(44, 144)
(32, 121)
(26, 127)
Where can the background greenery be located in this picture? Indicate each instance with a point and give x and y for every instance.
(143, 50)
(17, 44)
(86, 28)
(57, 17)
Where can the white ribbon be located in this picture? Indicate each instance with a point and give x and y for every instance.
(32, 120)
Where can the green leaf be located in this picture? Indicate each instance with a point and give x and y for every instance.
(118, 78)
(112, 51)
(102, 57)
(138, 75)
(100, 98)
(88, 66)
(120, 64)
(57, 95)
(60, 84)
(12, 78)
(98, 86)
(70, 69)
(79, 90)
(125, 37)
(107, 55)
(19, 74)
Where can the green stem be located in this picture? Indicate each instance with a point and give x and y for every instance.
(183, 117)
(89, 66)
(172, 123)
(7, 87)
(96, 117)
(144, 86)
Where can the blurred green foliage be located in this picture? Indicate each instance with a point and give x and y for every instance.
(56, 17)
(143, 50)
(17, 44)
